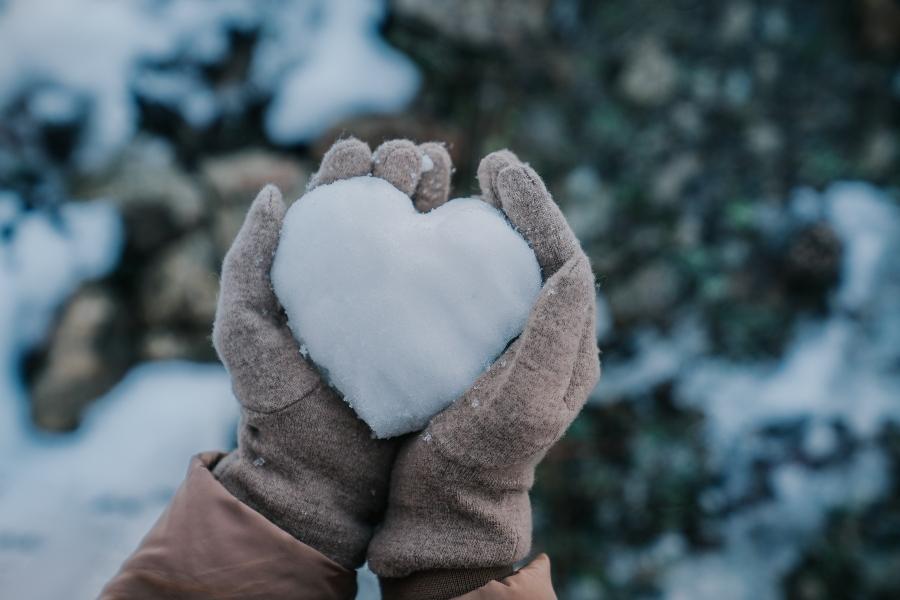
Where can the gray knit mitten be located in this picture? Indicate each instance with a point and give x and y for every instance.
(304, 460)
(458, 513)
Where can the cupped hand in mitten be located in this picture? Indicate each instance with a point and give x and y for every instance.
(528, 397)
(459, 490)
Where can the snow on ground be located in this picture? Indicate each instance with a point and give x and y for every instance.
(835, 369)
(761, 543)
(319, 61)
(73, 506)
(838, 370)
(40, 266)
(76, 506)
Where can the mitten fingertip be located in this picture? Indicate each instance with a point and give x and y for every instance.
(488, 169)
(270, 201)
(347, 158)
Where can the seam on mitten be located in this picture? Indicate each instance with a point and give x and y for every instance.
(302, 397)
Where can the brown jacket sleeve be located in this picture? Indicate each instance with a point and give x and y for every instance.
(208, 545)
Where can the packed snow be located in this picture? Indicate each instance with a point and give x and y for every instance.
(318, 61)
(401, 310)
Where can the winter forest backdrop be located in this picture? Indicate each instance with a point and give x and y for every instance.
(731, 166)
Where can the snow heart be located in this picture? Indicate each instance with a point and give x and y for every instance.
(400, 310)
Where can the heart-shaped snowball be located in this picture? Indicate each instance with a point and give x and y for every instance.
(400, 310)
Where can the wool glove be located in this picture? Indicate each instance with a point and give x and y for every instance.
(458, 513)
(304, 460)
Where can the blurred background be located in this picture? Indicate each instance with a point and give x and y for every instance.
(731, 167)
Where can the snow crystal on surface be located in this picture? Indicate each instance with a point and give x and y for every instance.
(402, 310)
(320, 61)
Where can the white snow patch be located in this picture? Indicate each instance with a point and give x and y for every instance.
(658, 358)
(868, 224)
(10, 207)
(41, 264)
(346, 68)
(402, 310)
(761, 543)
(74, 507)
(89, 46)
(320, 61)
(54, 105)
(841, 369)
(833, 369)
(184, 92)
(836, 370)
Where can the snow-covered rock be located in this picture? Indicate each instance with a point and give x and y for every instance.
(401, 310)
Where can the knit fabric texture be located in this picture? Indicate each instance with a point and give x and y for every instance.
(440, 584)
(304, 460)
(459, 490)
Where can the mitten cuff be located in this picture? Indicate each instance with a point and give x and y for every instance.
(440, 584)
